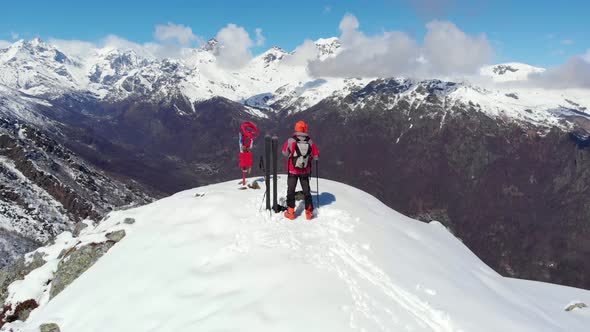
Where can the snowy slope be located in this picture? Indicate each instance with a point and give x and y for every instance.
(207, 260)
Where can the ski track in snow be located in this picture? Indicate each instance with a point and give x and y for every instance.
(346, 260)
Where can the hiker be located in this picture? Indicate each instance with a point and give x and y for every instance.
(301, 151)
(248, 132)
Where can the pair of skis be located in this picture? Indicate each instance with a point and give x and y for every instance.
(271, 150)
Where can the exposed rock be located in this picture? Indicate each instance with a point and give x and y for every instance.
(116, 236)
(76, 263)
(80, 226)
(17, 271)
(129, 221)
(10, 274)
(49, 327)
(22, 311)
(575, 306)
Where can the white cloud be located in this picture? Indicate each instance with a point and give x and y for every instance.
(147, 50)
(567, 42)
(302, 55)
(235, 43)
(259, 37)
(446, 51)
(4, 43)
(14, 35)
(575, 73)
(388, 54)
(449, 50)
(77, 48)
(327, 9)
(170, 40)
(176, 33)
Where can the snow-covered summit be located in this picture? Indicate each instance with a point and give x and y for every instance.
(208, 259)
(511, 71)
(328, 46)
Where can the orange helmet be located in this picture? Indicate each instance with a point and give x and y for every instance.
(301, 127)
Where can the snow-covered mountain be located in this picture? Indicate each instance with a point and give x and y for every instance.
(41, 69)
(170, 123)
(510, 72)
(208, 259)
(271, 81)
(45, 189)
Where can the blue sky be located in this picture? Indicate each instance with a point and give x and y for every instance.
(544, 33)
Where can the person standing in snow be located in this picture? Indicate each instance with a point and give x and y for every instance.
(301, 151)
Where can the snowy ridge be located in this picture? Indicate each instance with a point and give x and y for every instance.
(207, 259)
(270, 81)
(524, 105)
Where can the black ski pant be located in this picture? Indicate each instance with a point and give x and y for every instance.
(292, 184)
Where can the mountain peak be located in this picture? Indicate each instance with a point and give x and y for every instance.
(510, 71)
(211, 45)
(328, 46)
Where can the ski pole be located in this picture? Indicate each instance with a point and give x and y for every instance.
(262, 202)
(317, 179)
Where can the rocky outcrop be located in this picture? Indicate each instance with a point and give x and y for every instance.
(76, 262)
(17, 271)
(116, 236)
(129, 221)
(49, 327)
(575, 306)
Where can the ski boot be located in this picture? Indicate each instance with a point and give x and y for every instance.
(309, 213)
(290, 214)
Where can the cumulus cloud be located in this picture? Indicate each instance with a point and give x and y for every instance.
(449, 50)
(176, 33)
(169, 42)
(575, 73)
(259, 37)
(302, 55)
(446, 51)
(76, 48)
(388, 54)
(4, 43)
(148, 50)
(235, 43)
(14, 35)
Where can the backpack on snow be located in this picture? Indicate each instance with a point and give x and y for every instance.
(302, 152)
